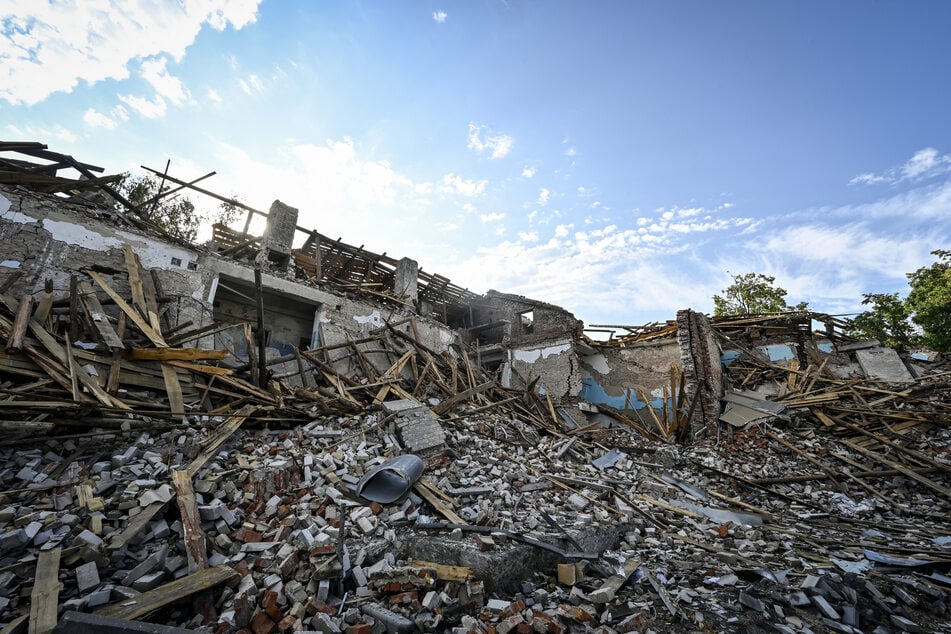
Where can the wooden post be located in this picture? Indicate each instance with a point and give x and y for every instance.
(262, 352)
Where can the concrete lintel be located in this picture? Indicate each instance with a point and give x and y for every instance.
(80, 623)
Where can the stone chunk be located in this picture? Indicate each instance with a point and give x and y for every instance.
(87, 577)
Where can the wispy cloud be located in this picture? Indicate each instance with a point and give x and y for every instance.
(924, 164)
(213, 95)
(529, 172)
(148, 108)
(544, 195)
(96, 119)
(492, 217)
(50, 47)
(440, 16)
(497, 145)
(251, 84)
(454, 184)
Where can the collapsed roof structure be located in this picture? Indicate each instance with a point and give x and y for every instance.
(211, 436)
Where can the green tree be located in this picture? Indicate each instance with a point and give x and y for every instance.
(175, 215)
(929, 301)
(888, 321)
(753, 293)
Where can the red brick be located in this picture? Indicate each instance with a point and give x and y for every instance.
(262, 624)
(404, 598)
(290, 624)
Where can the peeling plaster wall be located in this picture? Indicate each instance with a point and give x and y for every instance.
(50, 239)
(556, 365)
(613, 376)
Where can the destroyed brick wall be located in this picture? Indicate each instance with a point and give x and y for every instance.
(45, 237)
(538, 341)
(622, 376)
(703, 373)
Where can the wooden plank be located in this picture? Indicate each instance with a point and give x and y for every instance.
(44, 600)
(98, 316)
(144, 326)
(169, 593)
(135, 279)
(173, 354)
(73, 380)
(444, 571)
(136, 525)
(392, 372)
(151, 298)
(437, 504)
(223, 433)
(20, 324)
(176, 402)
(452, 401)
(17, 625)
(195, 546)
(931, 484)
(202, 369)
(43, 307)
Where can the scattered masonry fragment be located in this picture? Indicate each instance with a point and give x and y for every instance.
(250, 437)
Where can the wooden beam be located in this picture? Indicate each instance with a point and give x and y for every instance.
(153, 336)
(452, 401)
(223, 433)
(21, 324)
(195, 546)
(90, 302)
(44, 600)
(169, 593)
(135, 279)
(173, 354)
(136, 525)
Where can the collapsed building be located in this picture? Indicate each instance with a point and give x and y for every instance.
(211, 436)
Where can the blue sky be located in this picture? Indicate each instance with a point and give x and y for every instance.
(620, 159)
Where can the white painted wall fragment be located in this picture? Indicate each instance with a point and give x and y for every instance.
(531, 356)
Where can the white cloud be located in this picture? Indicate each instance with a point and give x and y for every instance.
(561, 231)
(453, 184)
(528, 172)
(571, 151)
(498, 145)
(925, 163)
(251, 85)
(544, 195)
(213, 96)
(440, 16)
(50, 47)
(165, 85)
(500, 230)
(531, 236)
(96, 119)
(148, 108)
(492, 217)
(867, 179)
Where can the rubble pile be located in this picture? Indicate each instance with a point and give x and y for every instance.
(523, 534)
